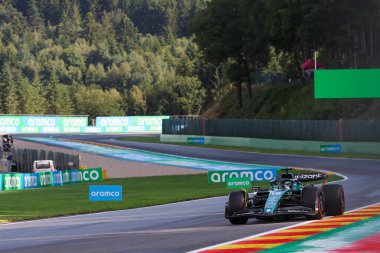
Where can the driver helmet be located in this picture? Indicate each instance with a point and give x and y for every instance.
(287, 185)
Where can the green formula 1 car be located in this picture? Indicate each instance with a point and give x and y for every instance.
(286, 198)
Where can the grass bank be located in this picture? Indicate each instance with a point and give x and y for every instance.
(137, 192)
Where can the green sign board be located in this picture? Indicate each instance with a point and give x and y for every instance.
(347, 83)
(79, 124)
(43, 124)
(130, 124)
(195, 140)
(331, 148)
(13, 181)
(91, 175)
(255, 175)
(45, 179)
(238, 183)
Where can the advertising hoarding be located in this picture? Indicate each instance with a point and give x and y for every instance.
(105, 193)
(256, 175)
(13, 181)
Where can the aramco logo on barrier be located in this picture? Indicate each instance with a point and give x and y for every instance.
(105, 193)
(13, 182)
(45, 179)
(30, 180)
(92, 175)
(253, 175)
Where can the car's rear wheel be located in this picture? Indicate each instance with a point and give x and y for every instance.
(313, 198)
(236, 202)
(334, 199)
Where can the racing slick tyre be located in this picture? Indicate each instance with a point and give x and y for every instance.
(313, 198)
(334, 199)
(236, 202)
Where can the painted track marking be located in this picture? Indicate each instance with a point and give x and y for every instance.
(268, 240)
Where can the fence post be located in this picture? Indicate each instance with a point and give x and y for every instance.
(340, 129)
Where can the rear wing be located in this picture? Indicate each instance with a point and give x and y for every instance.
(310, 177)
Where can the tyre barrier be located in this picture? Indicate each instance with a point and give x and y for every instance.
(20, 181)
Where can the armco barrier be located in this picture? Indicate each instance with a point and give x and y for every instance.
(305, 130)
(311, 146)
(19, 181)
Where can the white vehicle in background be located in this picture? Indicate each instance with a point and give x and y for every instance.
(44, 166)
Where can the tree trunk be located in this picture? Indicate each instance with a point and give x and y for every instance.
(249, 81)
(240, 97)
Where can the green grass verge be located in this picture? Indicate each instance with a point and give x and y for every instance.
(249, 149)
(137, 192)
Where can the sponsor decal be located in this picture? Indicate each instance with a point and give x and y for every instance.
(309, 177)
(149, 121)
(29, 129)
(66, 177)
(41, 121)
(91, 175)
(111, 121)
(255, 175)
(130, 123)
(45, 179)
(10, 121)
(273, 198)
(31, 180)
(136, 129)
(298, 211)
(75, 176)
(13, 181)
(331, 148)
(195, 140)
(57, 178)
(238, 183)
(71, 129)
(74, 122)
(92, 129)
(105, 193)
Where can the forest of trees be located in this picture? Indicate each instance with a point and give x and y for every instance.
(99, 58)
(279, 35)
(155, 57)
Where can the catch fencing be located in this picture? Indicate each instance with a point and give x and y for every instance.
(308, 130)
(23, 159)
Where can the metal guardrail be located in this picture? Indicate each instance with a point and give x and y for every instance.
(310, 130)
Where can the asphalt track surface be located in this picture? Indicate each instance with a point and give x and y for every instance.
(179, 227)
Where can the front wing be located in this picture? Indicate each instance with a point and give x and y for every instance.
(281, 211)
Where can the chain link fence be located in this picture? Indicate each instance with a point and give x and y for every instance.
(308, 130)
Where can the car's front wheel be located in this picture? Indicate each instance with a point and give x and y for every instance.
(334, 199)
(237, 202)
(313, 198)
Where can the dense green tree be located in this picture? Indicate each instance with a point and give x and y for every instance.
(70, 27)
(37, 96)
(93, 101)
(136, 101)
(34, 16)
(8, 86)
(127, 34)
